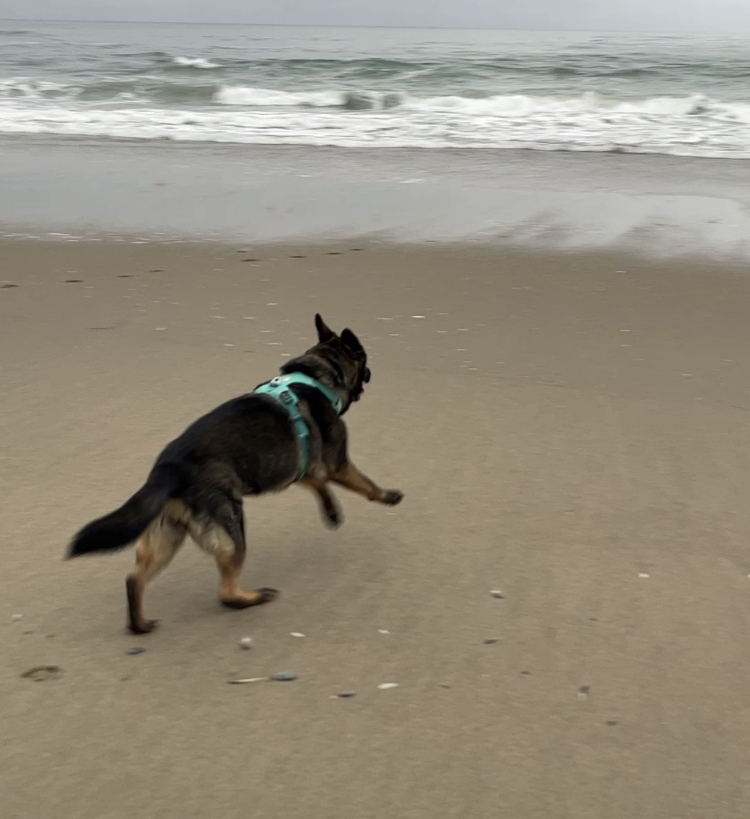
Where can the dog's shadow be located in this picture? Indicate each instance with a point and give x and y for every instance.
(307, 566)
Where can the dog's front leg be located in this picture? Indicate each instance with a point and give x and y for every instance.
(329, 508)
(351, 478)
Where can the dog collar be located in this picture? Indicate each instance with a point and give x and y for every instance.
(278, 389)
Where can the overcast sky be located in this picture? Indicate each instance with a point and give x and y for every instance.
(602, 15)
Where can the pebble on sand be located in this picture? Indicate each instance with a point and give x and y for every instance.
(284, 676)
(246, 643)
(387, 686)
(135, 650)
(496, 593)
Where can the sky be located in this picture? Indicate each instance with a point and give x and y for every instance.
(710, 16)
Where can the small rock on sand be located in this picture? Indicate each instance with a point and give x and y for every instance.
(284, 676)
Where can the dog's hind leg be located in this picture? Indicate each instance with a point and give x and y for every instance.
(224, 537)
(155, 549)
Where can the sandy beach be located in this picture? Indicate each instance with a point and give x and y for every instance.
(569, 429)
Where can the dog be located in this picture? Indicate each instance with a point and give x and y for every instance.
(287, 431)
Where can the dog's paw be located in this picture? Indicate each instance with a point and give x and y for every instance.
(267, 594)
(393, 497)
(244, 600)
(333, 518)
(143, 627)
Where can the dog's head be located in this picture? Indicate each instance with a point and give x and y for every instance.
(343, 357)
(346, 355)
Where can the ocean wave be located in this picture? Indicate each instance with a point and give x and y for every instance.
(348, 100)
(720, 133)
(33, 89)
(479, 103)
(109, 90)
(695, 125)
(370, 68)
(149, 90)
(194, 62)
(251, 97)
(590, 102)
(601, 67)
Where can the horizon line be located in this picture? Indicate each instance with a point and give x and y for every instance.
(369, 26)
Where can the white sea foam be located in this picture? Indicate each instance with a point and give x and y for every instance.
(241, 95)
(693, 125)
(195, 62)
(508, 104)
(33, 88)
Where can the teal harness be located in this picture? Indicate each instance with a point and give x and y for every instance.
(278, 389)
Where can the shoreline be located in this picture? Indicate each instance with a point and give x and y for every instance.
(468, 250)
(50, 140)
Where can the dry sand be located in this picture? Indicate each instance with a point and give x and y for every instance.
(571, 430)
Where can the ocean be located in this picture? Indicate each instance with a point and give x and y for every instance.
(378, 88)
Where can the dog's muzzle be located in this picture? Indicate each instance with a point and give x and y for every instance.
(366, 375)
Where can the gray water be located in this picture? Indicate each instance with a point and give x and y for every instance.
(378, 88)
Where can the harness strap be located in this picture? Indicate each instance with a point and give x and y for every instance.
(278, 389)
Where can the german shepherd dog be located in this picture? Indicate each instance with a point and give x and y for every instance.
(247, 446)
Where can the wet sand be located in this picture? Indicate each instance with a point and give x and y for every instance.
(569, 429)
(654, 205)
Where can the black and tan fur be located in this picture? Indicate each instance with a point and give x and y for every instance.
(246, 446)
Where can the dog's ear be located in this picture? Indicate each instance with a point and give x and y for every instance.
(324, 331)
(352, 342)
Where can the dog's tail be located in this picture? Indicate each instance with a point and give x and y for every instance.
(123, 526)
